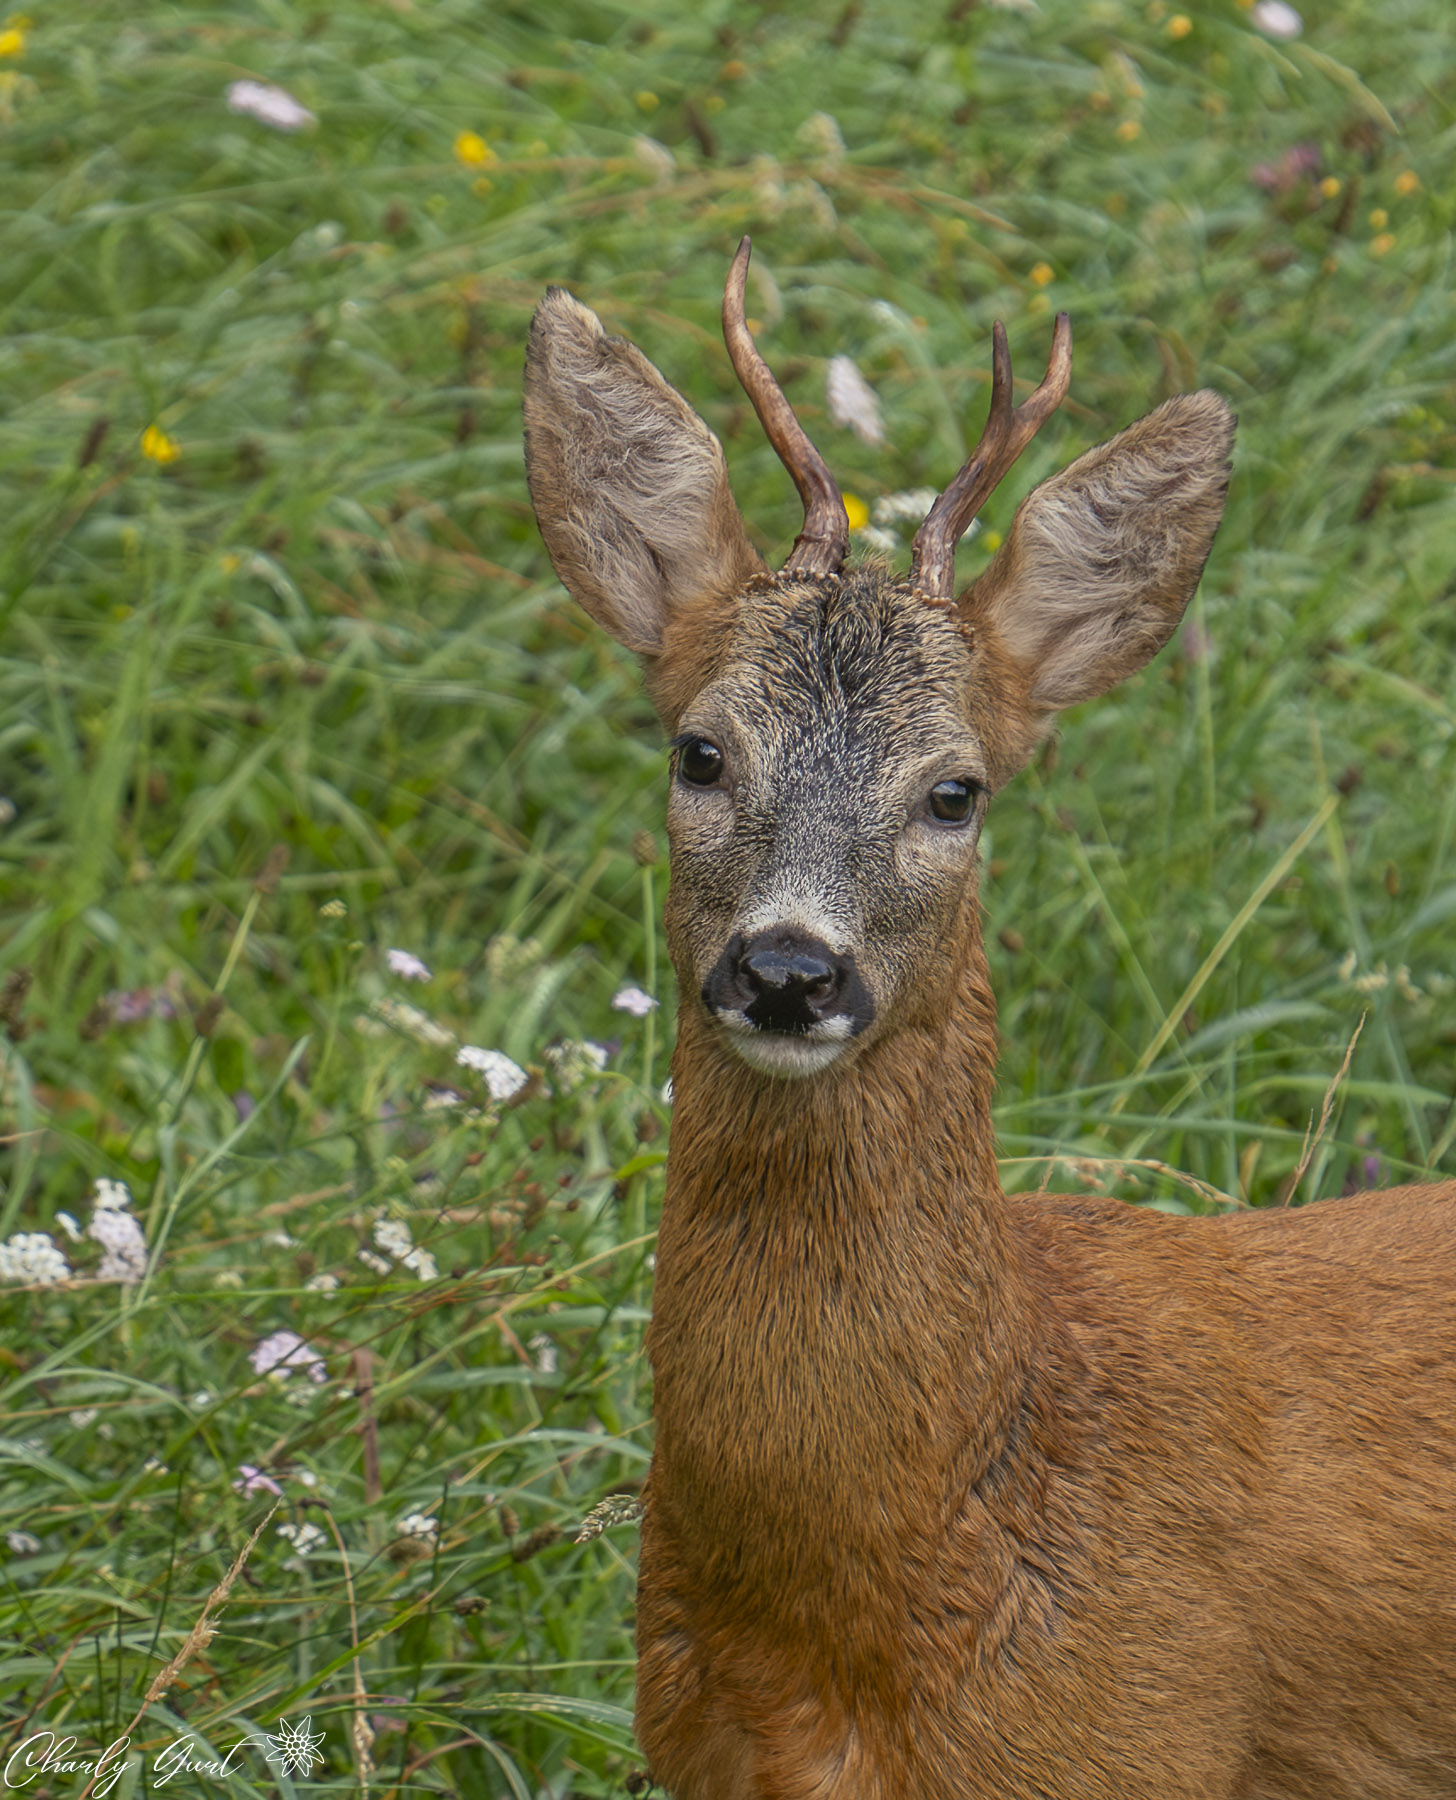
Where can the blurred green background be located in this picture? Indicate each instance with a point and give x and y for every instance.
(269, 583)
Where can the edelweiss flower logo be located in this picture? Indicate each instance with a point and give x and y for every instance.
(295, 1748)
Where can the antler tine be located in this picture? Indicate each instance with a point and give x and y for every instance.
(1007, 433)
(819, 548)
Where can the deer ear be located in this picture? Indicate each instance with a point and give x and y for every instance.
(1101, 560)
(629, 485)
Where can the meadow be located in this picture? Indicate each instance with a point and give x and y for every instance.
(331, 849)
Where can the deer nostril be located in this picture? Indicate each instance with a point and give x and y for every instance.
(787, 972)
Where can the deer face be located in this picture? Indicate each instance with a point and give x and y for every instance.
(828, 787)
(836, 737)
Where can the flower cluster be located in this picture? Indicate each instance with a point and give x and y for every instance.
(269, 105)
(283, 1351)
(118, 1232)
(33, 1256)
(502, 1077)
(394, 1239)
(304, 1538)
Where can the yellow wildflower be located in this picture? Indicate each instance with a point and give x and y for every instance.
(856, 512)
(1330, 186)
(1043, 274)
(1179, 26)
(1407, 182)
(12, 41)
(1379, 218)
(472, 151)
(157, 447)
(991, 539)
(1128, 131)
(1382, 245)
(646, 100)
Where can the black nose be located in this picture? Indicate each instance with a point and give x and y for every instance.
(789, 975)
(783, 979)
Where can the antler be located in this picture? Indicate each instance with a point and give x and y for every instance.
(1007, 433)
(819, 548)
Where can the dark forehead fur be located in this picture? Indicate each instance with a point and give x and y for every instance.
(859, 645)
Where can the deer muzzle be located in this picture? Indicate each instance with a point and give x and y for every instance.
(787, 1002)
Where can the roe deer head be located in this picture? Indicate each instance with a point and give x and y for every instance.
(958, 1494)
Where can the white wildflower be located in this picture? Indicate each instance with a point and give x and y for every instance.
(1348, 964)
(154, 1466)
(574, 1061)
(282, 1351)
(1276, 19)
(381, 1265)
(228, 1278)
(908, 507)
(69, 1225)
(280, 1240)
(407, 966)
(269, 105)
(633, 1000)
(413, 1023)
(200, 1399)
(120, 1236)
(875, 537)
(321, 1284)
(333, 909)
(502, 1077)
(22, 1543)
(110, 1196)
(81, 1418)
(33, 1256)
(418, 1525)
(852, 401)
(544, 1350)
(307, 1478)
(1372, 983)
(393, 1238)
(304, 1538)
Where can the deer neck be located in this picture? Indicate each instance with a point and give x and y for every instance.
(837, 1338)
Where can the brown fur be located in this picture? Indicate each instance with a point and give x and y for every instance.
(957, 1494)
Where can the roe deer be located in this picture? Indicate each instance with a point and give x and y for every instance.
(959, 1494)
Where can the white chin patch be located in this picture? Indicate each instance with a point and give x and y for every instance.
(779, 1052)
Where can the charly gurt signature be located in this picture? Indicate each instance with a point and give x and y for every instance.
(294, 1747)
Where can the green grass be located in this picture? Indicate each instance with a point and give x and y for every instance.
(328, 624)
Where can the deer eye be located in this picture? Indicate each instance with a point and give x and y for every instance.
(700, 762)
(954, 801)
